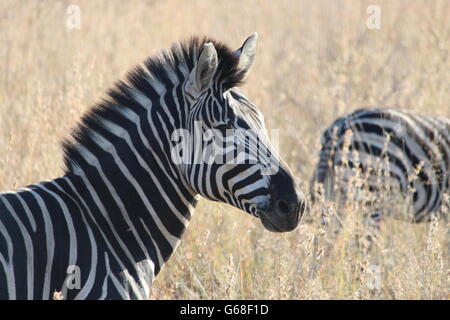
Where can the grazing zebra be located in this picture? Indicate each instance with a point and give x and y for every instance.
(409, 150)
(105, 229)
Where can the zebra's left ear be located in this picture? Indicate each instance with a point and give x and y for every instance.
(247, 53)
(204, 70)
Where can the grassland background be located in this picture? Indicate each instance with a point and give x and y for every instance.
(316, 60)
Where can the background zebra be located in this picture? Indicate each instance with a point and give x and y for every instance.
(390, 148)
(119, 212)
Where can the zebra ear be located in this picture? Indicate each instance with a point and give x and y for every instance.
(204, 70)
(247, 53)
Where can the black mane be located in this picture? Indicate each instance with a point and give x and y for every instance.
(184, 53)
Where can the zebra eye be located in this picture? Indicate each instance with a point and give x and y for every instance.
(225, 126)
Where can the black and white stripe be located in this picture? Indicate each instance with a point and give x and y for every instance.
(412, 150)
(119, 212)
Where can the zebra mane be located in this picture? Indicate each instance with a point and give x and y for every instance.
(159, 67)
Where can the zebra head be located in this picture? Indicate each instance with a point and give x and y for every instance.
(230, 158)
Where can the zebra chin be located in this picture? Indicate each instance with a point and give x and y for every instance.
(274, 222)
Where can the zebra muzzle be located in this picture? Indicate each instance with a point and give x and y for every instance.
(286, 207)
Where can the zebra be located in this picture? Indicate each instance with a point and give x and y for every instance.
(410, 151)
(106, 227)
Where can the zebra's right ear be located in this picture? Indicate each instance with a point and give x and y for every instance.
(247, 53)
(204, 70)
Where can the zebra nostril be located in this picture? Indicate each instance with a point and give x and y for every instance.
(282, 207)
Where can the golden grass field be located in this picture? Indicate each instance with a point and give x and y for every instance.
(316, 60)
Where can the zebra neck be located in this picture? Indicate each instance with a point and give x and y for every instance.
(140, 214)
(121, 162)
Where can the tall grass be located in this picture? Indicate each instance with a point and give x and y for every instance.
(316, 61)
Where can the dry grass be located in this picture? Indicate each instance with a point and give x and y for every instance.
(316, 60)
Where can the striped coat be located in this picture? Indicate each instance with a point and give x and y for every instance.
(106, 227)
(412, 150)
